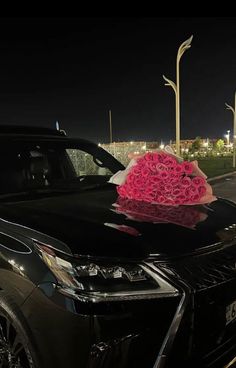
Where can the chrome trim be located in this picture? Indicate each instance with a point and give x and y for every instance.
(40, 242)
(174, 326)
(35, 232)
(230, 364)
(163, 290)
(19, 241)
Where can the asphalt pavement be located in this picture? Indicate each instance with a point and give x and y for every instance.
(225, 187)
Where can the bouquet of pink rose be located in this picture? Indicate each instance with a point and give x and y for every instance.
(163, 178)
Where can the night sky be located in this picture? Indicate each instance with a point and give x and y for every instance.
(75, 69)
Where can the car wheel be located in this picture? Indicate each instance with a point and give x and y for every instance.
(16, 350)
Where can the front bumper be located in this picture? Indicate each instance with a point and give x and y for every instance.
(205, 338)
(103, 335)
(188, 330)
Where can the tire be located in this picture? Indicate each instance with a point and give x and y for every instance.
(16, 341)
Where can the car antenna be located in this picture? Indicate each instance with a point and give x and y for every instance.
(58, 128)
(57, 125)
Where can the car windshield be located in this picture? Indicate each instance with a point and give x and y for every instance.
(53, 164)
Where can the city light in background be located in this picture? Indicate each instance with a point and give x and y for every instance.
(190, 148)
(233, 110)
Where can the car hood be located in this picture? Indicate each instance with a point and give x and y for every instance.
(98, 223)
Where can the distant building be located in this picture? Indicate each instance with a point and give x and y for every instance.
(121, 150)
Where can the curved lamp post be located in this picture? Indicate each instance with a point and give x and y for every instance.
(228, 142)
(228, 107)
(183, 47)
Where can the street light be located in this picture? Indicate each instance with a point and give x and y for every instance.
(176, 87)
(228, 107)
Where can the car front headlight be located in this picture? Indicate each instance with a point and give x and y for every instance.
(101, 281)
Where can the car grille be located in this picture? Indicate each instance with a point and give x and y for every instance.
(204, 271)
(212, 282)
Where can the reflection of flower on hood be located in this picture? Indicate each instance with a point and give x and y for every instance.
(123, 228)
(163, 178)
(148, 212)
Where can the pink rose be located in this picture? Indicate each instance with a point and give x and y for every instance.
(136, 170)
(164, 175)
(170, 161)
(186, 181)
(187, 192)
(158, 193)
(130, 178)
(155, 156)
(152, 166)
(160, 167)
(178, 169)
(122, 191)
(144, 172)
(139, 182)
(187, 167)
(195, 197)
(198, 180)
(140, 162)
(193, 189)
(176, 192)
(161, 199)
(149, 197)
(182, 197)
(168, 187)
(148, 156)
(150, 188)
(138, 196)
(172, 175)
(160, 157)
(155, 179)
(201, 190)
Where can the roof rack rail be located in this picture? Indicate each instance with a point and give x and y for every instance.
(31, 130)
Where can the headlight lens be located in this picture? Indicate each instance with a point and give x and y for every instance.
(96, 282)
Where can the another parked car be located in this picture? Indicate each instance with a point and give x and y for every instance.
(90, 280)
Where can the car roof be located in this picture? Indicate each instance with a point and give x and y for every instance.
(31, 133)
(29, 130)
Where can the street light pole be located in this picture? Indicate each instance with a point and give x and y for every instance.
(228, 135)
(228, 107)
(176, 87)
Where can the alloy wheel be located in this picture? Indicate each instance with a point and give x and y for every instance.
(13, 351)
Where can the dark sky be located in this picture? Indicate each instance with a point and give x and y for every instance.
(75, 69)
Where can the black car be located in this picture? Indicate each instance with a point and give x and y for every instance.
(90, 280)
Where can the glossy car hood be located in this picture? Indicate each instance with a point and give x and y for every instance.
(97, 223)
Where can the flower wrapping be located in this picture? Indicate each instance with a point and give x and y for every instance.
(163, 178)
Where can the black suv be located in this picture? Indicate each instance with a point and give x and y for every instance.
(90, 280)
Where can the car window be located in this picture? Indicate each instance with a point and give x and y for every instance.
(86, 164)
(30, 165)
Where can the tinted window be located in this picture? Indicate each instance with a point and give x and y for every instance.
(27, 165)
